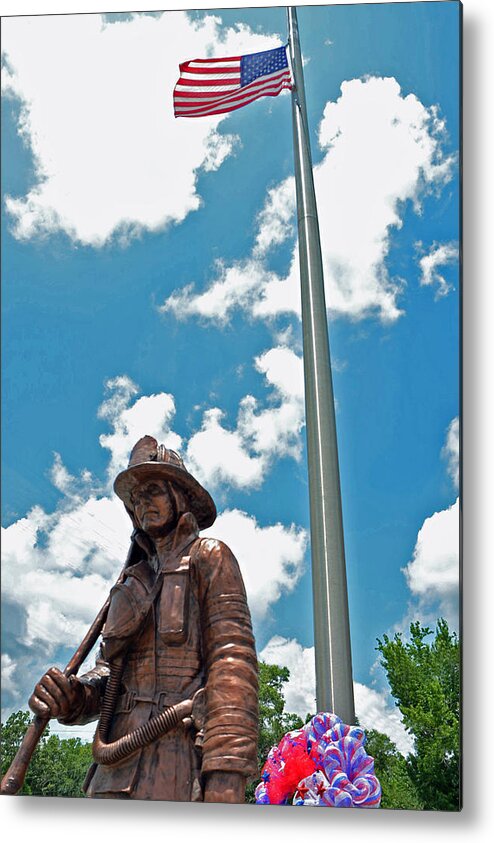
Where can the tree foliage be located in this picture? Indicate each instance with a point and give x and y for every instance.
(424, 677)
(58, 765)
(391, 768)
(274, 722)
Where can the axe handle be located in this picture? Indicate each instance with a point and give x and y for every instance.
(15, 775)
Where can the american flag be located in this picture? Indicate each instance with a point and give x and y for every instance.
(214, 86)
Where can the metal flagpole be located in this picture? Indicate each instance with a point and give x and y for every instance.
(334, 684)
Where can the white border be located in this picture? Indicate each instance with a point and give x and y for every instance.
(80, 820)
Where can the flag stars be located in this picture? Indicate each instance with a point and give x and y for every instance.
(262, 64)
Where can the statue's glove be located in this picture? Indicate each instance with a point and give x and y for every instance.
(56, 695)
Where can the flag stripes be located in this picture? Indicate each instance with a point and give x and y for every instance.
(216, 86)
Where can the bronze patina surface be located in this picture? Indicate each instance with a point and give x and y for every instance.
(175, 684)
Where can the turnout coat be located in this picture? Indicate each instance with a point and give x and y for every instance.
(196, 634)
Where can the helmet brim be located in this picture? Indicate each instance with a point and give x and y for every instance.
(200, 501)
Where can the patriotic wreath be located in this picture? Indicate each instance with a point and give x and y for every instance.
(324, 764)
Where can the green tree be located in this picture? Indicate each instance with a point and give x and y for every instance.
(58, 766)
(391, 768)
(424, 677)
(62, 768)
(12, 733)
(274, 721)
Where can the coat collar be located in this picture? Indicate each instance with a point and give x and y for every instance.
(186, 530)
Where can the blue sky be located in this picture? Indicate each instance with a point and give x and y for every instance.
(150, 280)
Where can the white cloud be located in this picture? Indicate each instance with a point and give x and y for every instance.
(441, 254)
(372, 707)
(216, 455)
(276, 220)
(283, 370)
(150, 414)
(66, 483)
(8, 671)
(235, 283)
(109, 156)
(300, 690)
(374, 711)
(433, 573)
(241, 457)
(382, 151)
(59, 567)
(271, 558)
(276, 430)
(451, 451)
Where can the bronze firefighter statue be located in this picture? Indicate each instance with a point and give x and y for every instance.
(175, 683)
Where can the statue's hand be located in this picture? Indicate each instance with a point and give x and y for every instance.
(55, 695)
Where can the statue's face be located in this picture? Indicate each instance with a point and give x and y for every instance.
(152, 507)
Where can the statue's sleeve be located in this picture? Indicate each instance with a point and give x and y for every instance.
(231, 721)
(94, 684)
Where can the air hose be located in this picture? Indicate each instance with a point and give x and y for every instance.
(156, 727)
